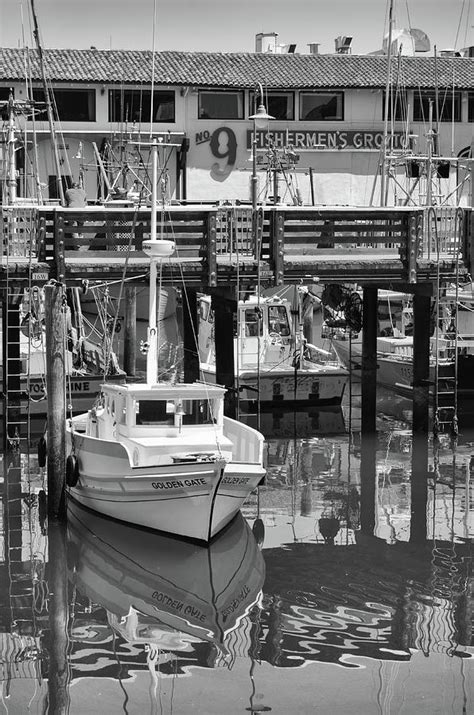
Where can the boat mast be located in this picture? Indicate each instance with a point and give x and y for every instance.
(387, 105)
(49, 109)
(157, 250)
(152, 337)
(11, 177)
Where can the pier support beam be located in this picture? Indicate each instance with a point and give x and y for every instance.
(56, 391)
(368, 474)
(420, 425)
(225, 310)
(369, 360)
(130, 338)
(421, 362)
(190, 335)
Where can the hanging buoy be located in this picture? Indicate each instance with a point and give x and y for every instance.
(258, 529)
(72, 470)
(42, 451)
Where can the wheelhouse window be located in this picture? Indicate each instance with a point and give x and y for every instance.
(220, 105)
(397, 106)
(196, 412)
(446, 105)
(135, 105)
(70, 105)
(155, 412)
(278, 320)
(252, 323)
(322, 106)
(279, 105)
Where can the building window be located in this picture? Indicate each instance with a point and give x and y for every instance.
(322, 106)
(470, 106)
(221, 105)
(134, 105)
(447, 109)
(70, 105)
(397, 106)
(4, 97)
(279, 105)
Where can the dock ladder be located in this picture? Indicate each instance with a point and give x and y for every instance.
(445, 225)
(18, 244)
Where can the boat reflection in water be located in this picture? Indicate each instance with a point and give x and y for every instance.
(163, 592)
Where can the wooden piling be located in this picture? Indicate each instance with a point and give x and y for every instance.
(190, 335)
(368, 474)
(369, 359)
(225, 311)
(56, 391)
(420, 424)
(130, 337)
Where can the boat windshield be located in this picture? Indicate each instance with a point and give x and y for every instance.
(162, 412)
(155, 412)
(278, 320)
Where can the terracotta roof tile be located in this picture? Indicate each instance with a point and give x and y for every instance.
(217, 69)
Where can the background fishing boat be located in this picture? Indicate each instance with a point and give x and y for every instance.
(274, 363)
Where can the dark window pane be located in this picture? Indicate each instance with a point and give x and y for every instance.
(70, 105)
(279, 105)
(442, 110)
(134, 105)
(470, 107)
(397, 106)
(322, 106)
(221, 105)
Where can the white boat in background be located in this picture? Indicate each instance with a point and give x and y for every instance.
(165, 591)
(394, 346)
(273, 362)
(159, 454)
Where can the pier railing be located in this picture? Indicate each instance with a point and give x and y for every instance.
(216, 245)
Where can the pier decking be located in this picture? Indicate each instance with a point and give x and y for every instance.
(216, 246)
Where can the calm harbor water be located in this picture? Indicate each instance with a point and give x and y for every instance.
(332, 594)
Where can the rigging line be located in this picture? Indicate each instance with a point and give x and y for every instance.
(195, 337)
(124, 272)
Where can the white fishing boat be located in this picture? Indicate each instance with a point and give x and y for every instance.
(273, 362)
(165, 591)
(394, 346)
(163, 455)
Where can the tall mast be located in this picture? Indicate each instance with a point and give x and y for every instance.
(49, 108)
(387, 105)
(156, 250)
(11, 175)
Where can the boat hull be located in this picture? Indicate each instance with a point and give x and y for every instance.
(295, 389)
(195, 500)
(175, 498)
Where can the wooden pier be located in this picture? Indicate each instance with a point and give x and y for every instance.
(217, 246)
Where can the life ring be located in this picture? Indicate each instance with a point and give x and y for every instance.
(42, 452)
(72, 470)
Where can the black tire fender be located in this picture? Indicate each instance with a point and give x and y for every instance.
(72, 470)
(42, 451)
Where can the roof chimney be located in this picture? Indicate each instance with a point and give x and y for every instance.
(314, 48)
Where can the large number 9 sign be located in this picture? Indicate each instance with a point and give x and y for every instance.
(223, 146)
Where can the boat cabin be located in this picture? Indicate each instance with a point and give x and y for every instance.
(138, 410)
(264, 333)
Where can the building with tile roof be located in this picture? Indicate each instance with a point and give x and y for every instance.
(323, 145)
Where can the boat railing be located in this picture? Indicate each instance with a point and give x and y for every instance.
(247, 442)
